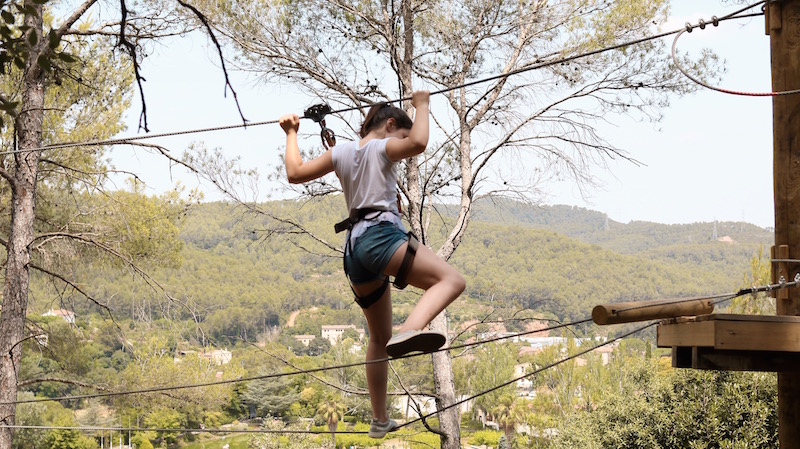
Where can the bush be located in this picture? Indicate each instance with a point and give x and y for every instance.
(487, 437)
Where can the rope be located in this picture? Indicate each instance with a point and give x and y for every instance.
(146, 429)
(291, 373)
(533, 373)
(702, 83)
(718, 299)
(505, 384)
(133, 139)
(531, 67)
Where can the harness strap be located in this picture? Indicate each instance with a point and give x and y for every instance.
(370, 299)
(411, 251)
(350, 221)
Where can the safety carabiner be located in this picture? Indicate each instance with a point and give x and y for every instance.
(317, 113)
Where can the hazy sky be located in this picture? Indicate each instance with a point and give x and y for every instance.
(709, 159)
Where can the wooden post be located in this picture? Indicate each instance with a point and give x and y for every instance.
(783, 26)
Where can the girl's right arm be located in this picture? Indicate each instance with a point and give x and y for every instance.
(417, 139)
(298, 171)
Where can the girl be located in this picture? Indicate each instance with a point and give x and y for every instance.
(377, 245)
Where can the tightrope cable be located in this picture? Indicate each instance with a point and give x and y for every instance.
(291, 431)
(533, 373)
(717, 299)
(534, 66)
(285, 374)
(179, 430)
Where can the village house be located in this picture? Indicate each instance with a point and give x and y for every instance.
(218, 356)
(333, 333)
(66, 315)
(305, 339)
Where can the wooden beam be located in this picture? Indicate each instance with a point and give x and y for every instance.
(732, 332)
(784, 36)
(629, 312)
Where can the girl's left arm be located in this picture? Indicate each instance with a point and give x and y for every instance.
(298, 171)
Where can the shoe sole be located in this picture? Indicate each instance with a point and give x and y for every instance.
(424, 342)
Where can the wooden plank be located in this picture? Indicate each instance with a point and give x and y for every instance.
(686, 334)
(751, 318)
(757, 336)
(733, 332)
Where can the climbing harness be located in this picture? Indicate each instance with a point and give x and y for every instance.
(400, 280)
(317, 113)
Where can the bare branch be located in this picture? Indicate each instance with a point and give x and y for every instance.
(74, 17)
(75, 287)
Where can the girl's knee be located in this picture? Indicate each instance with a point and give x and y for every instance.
(459, 283)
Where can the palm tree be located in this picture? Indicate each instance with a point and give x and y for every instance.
(507, 415)
(331, 412)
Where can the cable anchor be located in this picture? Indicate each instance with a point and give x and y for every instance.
(317, 113)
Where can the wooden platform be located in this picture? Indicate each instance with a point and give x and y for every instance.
(733, 342)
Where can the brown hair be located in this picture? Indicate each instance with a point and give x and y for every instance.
(381, 112)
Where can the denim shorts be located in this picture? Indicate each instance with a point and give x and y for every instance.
(370, 254)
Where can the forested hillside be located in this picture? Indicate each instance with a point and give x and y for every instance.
(245, 286)
(238, 280)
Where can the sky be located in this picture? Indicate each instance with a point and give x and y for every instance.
(710, 158)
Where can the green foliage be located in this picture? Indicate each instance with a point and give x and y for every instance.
(505, 265)
(759, 274)
(276, 440)
(487, 437)
(271, 397)
(678, 409)
(165, 418)
(42, 414)
(141, 440)
(493, 365)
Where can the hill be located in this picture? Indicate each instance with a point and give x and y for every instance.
(241, 276)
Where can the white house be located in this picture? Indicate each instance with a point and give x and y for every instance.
(305, 339)
(66, 315)
(218, 356)
(333, 333)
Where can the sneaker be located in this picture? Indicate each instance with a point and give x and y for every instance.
(424, 341)
(379, 429)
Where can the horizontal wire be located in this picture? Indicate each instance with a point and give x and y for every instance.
(292, 373)
(147, 429)
(132, 139)
(505, 384)
(719, 298)
(284, 431)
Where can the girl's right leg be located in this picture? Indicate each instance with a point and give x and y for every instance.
(441, 282)
(379, 322)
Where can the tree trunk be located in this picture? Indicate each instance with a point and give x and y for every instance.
(444, 385)
(450, 419)
(23, 188)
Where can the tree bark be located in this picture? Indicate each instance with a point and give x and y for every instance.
(444, 386)
(23, 188)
